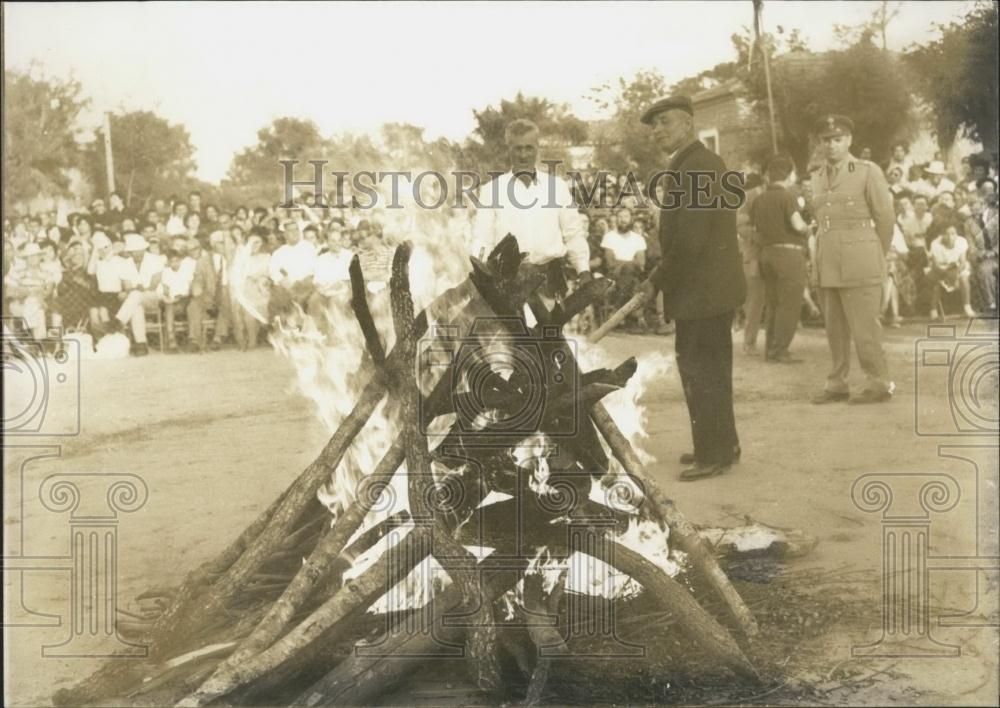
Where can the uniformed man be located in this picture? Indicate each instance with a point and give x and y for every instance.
(854, 215)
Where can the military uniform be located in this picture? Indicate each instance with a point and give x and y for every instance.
(853, 209)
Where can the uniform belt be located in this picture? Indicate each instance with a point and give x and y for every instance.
(796, 246)
(848, 223)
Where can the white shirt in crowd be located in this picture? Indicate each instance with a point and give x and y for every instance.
(624, 246)
(175, 226)
(925, 188)
(176, 283)
(110, 273)
(540, 215)
(332, 271)
(150, 266)
(293, 262)
(943, 256)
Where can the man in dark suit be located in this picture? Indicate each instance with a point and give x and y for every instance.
(702, 281)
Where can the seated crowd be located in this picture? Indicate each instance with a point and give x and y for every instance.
(182, 266)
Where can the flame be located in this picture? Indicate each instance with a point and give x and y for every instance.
(329, 370)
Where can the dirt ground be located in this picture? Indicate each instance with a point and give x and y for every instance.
(215, 438)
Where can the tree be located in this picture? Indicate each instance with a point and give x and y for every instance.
(623, 142)
(284, 139)
(862, 81)
(486, 149)
(39, 134)
(151, 156)
(957, 74)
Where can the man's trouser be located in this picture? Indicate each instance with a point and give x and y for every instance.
(784, 273)
(753, 308)
(224, 313)
(196, 310)
(133, 312)
(854, 313)
(705, 361)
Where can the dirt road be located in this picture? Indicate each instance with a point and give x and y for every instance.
(215, 438)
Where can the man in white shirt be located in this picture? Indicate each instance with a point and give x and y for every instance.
(537, 208)
(625, 256)
(332, 277)
(174, 290)
(140, 278)
(934, 182)
(291, 269)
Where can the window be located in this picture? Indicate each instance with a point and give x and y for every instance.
(710, 138)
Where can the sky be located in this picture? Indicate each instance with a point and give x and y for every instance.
(224, 70)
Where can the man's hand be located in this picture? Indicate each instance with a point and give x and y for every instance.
(583, 277)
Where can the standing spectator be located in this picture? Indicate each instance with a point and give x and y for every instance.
(753, 308)
(203, 292)
(221, 258)
(537, 208)
(252, 286)
(896, 273)
(194, 202)
(853, 207)
(701, 278)
(624, 256)
(782, 233)
(949, 270)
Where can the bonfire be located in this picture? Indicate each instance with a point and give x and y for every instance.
(476, 489)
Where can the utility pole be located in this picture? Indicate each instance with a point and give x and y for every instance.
(760, 38)
(108, 157)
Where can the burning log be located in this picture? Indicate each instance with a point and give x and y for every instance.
(681, 529)
(307, 609)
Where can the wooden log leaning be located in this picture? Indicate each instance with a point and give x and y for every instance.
(481, 642)
(682, 532)
(353, 595)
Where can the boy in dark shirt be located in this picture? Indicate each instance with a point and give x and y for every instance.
(782, 233)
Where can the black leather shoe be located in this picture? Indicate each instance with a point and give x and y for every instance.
(829, 397)
(687, 458)
(870, 396)
(140, 349)
(702, 471)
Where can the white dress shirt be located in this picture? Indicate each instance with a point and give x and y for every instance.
(293, 262)
(332, 271)
(150, 266)
(540, 215)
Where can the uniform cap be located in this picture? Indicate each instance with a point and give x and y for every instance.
(832, 125)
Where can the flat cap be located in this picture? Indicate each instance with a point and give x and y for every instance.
(665, 104)
(831, 125)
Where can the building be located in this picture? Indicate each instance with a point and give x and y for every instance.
(727, 125)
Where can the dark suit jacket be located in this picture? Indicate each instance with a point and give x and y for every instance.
(701, 274)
